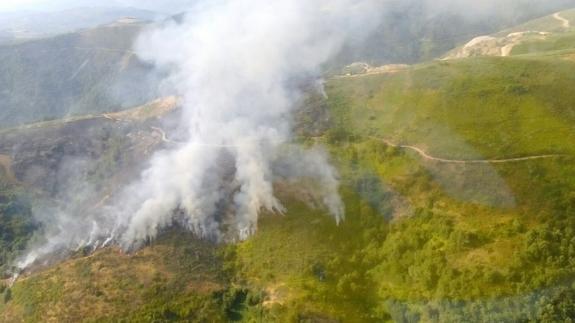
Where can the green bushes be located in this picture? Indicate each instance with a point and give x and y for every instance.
(448, 259)
(16, 224)
(7, 295)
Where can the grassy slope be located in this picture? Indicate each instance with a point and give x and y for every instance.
(561, 38)
(470, 242)
(547, 23)
(480, 231)
(562, 43)
(177, 276)
(447, 107)
(283, 273)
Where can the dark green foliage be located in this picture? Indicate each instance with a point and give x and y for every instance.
(7, 296)
(16, 224)
(561, 308)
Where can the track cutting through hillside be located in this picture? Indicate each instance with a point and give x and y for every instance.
(426, 156)
(564, 22)
(105, 49)
(6, 164)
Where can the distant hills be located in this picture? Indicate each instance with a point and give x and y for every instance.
(419, 30)
(21, 25)
(554, 32)
(55, 64)
(88, 71)
(78, 61)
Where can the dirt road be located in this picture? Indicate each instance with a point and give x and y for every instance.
(162, 134)
(6, 164)
(426, 156)
(564, 22)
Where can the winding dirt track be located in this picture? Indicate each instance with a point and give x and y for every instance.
(6, 164)
(162, 133)
(565, 23)
(105, 49)
(426, 156)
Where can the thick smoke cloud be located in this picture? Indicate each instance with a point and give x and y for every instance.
(233, 63)
(238, 67)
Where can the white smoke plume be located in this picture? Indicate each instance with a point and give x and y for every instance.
(237, 66)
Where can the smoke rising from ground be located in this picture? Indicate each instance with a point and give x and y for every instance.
(235, 65)
(238, 67)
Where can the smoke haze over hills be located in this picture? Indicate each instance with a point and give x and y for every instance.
(238, 67)
(233, 65)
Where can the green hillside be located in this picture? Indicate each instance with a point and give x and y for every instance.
(552, 33)
(458, 179)
(415, 31)
(548, 23)
(481, 231)
(561, 39)
(562, 43)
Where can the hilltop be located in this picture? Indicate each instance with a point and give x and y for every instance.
(27, 24)
(550, 33)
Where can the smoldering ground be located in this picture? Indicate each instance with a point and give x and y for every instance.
(237, 67)
(234, 65)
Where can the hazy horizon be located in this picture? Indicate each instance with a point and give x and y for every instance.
(169, 6)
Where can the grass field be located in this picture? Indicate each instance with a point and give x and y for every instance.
(546, 24)
(558, 42)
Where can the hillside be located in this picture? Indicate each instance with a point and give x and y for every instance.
(550, 33)
(60, 69)
(415, 31)
(457, 137)
(458, 180)
(27, 24)
(89, 71)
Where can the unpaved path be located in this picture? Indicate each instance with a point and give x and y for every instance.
(153, 109)
(378, 70)
(564, 22)
(6, 163)
(167, 140)
(507, 49)
(105, 49)
(162, 134)
(126, 59)
(425, 155)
